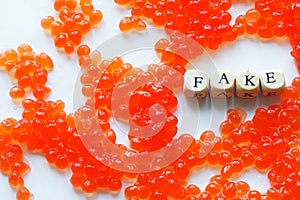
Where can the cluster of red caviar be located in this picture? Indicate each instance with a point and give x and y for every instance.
(270, 19)
(132, 23)
(71, 24)
(208, 22)
(141, 107)
(45, 128)
(28, 69)
(269, 142)
(90, 176)
(243, 145)
(12, 160)
(102, 78)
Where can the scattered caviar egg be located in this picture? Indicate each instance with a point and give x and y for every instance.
(115, 184)
(138, 24)
(15, 180)
(40, 77)
(56, 28)
(115, 64)
(61, 162)
(87, 8)
(213, 189)
(126, 24)
(61, 40)
(24, 48)
(89, 186)
(75, 37)
(64, 14)
(229, 190)
(84, 27)
(161, 45)
(96, 17)
(10, 55)
(24, 81)
(46, 22)
(71, 4)
(23, 194)
(69, 47)
(83, 50)
(193, 189)
(77, 17)
(96, 57)
(41, 92)
(45, 61)
(17, 92)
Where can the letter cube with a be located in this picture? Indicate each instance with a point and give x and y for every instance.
(246, 84)
(222, 84)
(272, 83)
(195, 83)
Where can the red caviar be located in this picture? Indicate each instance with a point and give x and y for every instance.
(241, 146)
(208, 22)
(91, 175)
(74, 21)
(29, 69)
(269, 142)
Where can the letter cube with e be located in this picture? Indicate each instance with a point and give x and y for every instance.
(272, 83)
(246, 84)
(195, 83)
(222, 84)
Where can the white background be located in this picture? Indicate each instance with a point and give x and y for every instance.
(20, 23)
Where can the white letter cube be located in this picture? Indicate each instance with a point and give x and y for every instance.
(195, 83)
(272, 83)
(246, 84)
(222, 84)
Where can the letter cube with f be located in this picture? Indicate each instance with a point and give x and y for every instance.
(195, 83)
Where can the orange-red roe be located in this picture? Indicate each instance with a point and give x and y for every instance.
(270, 145)
(71, 25)
(91, 177)
(17, 92)
(23, 194)
(29, 69)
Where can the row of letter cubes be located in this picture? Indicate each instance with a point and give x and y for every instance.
(223, 84)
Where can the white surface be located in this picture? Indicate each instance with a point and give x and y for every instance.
(20, 23)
